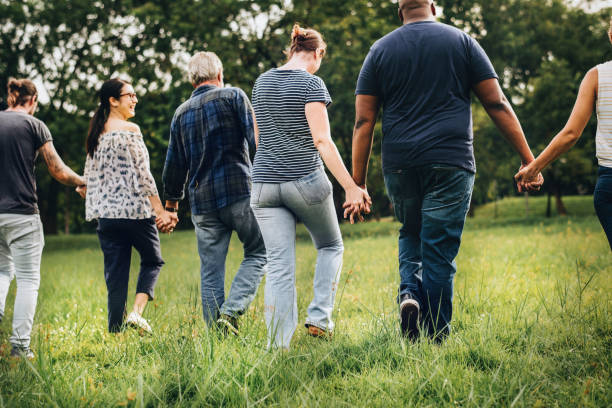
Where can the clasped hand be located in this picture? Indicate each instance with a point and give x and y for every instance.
(528, 178)
(166, 221)
(358, 201)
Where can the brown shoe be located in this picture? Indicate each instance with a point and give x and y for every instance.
(318, 332)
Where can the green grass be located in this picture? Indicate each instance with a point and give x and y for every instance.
(532, 327)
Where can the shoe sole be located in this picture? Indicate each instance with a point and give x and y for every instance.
(228, 326)
(138, 328)
(409, 318)
(317, 332)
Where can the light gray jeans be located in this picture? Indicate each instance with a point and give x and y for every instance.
(277, 208)
(21, 244)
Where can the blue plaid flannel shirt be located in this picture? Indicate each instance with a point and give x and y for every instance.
(210, 138)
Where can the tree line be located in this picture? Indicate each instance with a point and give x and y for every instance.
(540, 49)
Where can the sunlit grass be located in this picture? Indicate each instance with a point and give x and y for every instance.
(532, 327)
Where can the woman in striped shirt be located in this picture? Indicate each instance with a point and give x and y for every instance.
(290, 184)
(596, 89)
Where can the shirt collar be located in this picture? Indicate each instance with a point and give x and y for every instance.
(202, 89)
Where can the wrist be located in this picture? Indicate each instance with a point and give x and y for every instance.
(171, 209)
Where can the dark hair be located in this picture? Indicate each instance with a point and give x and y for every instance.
(109, 89)
(304, 39)
(20, 91)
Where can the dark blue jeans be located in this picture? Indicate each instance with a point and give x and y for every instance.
(602, 199)
(431, 202)
(117, 237)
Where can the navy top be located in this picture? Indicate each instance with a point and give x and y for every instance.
(210, 137)
(422, 74)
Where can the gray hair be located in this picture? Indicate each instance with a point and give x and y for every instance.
(204, 66)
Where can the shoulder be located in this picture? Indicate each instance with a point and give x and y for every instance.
(123, 125)
(591, 79)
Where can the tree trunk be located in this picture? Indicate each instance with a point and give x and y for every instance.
(67, 193)
(49, 218)
(561, 210)
(471, 210)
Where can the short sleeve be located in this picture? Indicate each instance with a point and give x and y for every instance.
(480, 65)
(367, 83)
(317, 91)
(42, 134)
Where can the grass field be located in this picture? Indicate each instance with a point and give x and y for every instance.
(532, 327)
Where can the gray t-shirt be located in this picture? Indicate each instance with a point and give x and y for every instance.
(21, 135)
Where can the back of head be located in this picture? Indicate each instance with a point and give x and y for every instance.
(109, 89)
(20, 92)
(304, 40)
(204, 66)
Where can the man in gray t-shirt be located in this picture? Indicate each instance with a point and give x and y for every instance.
(22, 137)
(422, 75)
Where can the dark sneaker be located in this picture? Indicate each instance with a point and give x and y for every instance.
(19, 352)
(318, 332)
(409, 316)
(228, 324)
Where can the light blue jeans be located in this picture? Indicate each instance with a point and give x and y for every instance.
(278, 207)
(21, 245)
(213, 232)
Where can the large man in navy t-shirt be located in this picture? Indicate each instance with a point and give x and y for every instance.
(422, 74)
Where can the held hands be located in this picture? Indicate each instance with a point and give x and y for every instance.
(528, 178)
(357, 201)
(82, 190)
(166, 221)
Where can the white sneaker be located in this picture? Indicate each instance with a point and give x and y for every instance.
(138, 322)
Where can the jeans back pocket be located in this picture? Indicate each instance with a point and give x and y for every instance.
(314, 188)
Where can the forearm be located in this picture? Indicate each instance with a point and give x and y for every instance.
(560, 144)
(67, 176)
(172, 204)
(362, 149)
(156, 204)
(331, 157)
(506, 121)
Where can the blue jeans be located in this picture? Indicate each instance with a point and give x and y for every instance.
(277, 208)
(431, 202)
(21, 245)
(602, 199)
(213, 232)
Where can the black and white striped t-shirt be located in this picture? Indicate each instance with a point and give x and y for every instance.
(286, 151)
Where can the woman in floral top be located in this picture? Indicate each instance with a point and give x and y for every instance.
(121, 194)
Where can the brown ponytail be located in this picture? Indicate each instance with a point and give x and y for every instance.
(20, 92)
(304, 39)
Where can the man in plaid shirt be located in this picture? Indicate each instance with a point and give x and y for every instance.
(210, 138)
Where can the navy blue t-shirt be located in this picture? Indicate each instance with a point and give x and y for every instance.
(422, 74)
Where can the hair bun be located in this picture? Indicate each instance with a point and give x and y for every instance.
(14, 84)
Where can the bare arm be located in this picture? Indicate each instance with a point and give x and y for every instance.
(316, 115)
(569, 135)
(57, 168)
(499, 109)
(366, 110)
(256, 130)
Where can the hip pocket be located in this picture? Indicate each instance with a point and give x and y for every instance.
(314, 188)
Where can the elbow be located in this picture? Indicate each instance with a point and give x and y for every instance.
(571, 136)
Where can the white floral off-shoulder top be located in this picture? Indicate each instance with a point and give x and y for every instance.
(119, 179)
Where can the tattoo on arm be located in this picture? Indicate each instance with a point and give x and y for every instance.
(57, 168)
(360, 123)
